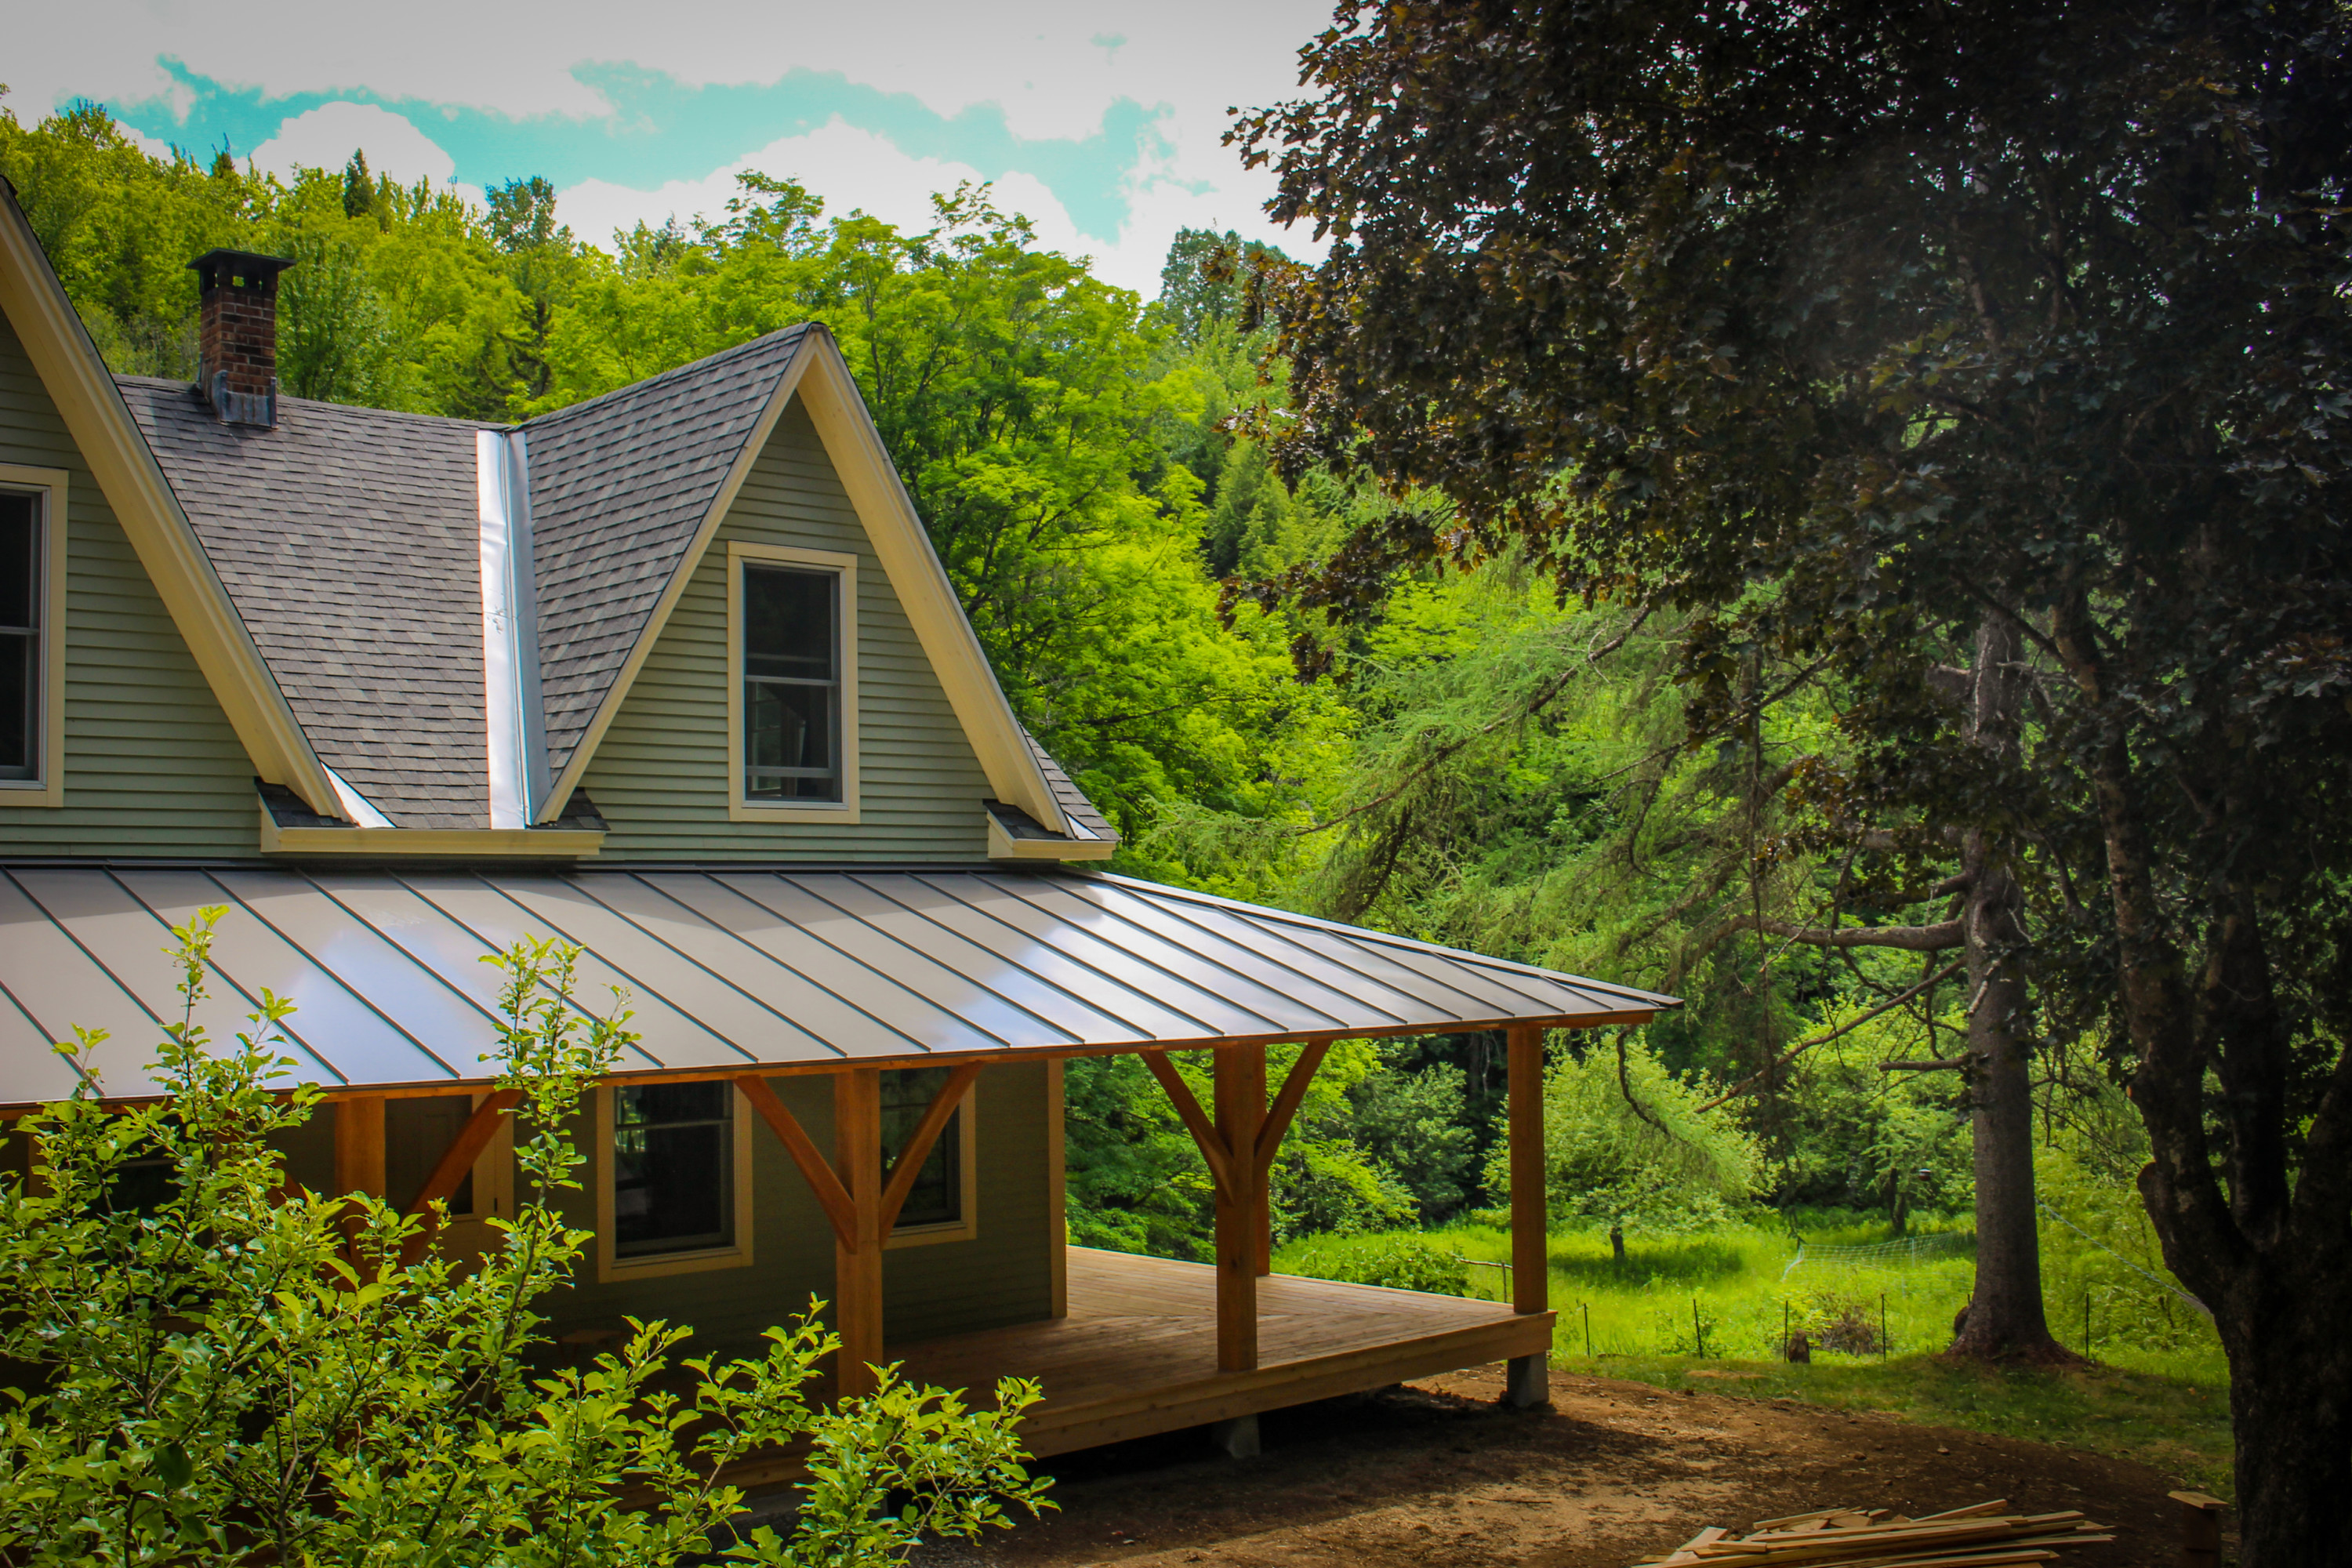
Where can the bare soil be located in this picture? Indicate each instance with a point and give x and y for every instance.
(1436, 1473)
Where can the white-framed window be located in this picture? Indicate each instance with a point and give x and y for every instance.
(32, 636)
(792, 684)
(943, 1204)
(673, 1179)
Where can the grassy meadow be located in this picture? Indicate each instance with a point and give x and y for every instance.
(1707, 1312)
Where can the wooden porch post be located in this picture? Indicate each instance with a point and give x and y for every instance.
(1240, 1074)
(1528, 1382)
(359, 1152)
(858, 1260)
(359, 1145)
(1260, 1187)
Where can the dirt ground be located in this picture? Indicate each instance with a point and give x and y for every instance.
(1436, 1473)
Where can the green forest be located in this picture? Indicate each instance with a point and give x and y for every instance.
(1857, 552)
(1474, 762)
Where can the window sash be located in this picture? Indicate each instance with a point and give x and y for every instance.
(673, 1179)
(24, 663)
(766, 782)
(937, 1195)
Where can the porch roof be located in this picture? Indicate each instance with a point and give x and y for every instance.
(727, 970)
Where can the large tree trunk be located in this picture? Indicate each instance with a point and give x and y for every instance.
(2272, 1259)
(2004, 1317)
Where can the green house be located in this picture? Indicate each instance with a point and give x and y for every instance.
(673, 675)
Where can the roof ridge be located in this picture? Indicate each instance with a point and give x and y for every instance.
(659, 377)
(174, 383)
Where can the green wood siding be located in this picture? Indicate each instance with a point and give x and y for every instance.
(1002, 1276)
(151, 765)
(660, 774)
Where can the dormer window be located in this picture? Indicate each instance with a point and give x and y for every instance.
(792, 684)
(792, 703)
(32, 615)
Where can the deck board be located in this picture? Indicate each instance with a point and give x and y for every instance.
(1138, 1352)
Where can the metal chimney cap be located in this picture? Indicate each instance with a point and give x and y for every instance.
(217, 269)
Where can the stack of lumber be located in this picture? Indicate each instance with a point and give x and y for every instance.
(1981, 1536)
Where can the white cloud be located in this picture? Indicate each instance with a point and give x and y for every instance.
(327, 136)
(1039, 61)
(1037, 58)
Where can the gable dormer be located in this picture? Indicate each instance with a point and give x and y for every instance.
(695, 617)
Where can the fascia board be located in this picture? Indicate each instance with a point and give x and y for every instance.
(149, 512)
(502, 843)
(904, 547)
(1002, 845)
(559, 793)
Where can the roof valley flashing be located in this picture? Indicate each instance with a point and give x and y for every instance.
(513, 713)
(315, 557)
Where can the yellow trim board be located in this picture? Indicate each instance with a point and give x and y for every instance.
(821, 378)
(50, 789)
(533, 843)
(100, 424)
(740, 808)
(1002, 845)
(559, 793)
(904, 546)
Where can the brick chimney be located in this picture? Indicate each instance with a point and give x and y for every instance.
(236, 334)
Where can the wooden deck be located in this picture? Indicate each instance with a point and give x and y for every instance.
(1137, 1354)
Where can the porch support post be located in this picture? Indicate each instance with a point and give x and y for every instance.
(1240, 1074)
(858, 1260)
(359, 1145)
(1527, 1380)
(359, 1152)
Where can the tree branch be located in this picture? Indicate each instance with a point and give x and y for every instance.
(1934, 937)
(1801, 1046)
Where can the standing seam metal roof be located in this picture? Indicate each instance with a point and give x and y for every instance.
(725, 970)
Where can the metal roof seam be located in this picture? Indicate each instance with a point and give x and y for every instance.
(97, 963)
(353, 992)
(1392, 1015)
(633, 976)
(490, 947)
(1273, 1025)
(1091, 1005)
(1365, 934)
(301, 1039)
(781, 963)
(459, 992)
(849, 957)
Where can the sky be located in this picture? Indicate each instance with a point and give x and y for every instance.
(1099, 121)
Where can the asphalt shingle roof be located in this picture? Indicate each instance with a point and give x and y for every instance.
(1068, 795)
(349, 540)
(618, 485)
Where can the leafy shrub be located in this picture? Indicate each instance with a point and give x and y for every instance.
(230, 1374)
(1656, 1162)
(1399, 1262)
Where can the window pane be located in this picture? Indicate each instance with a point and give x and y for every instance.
(20, 646)
(937, 1196)
(19, 670)
(417, 1134)
(20, 560)
(792, 729)
(788, 623)
(673, 1168)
